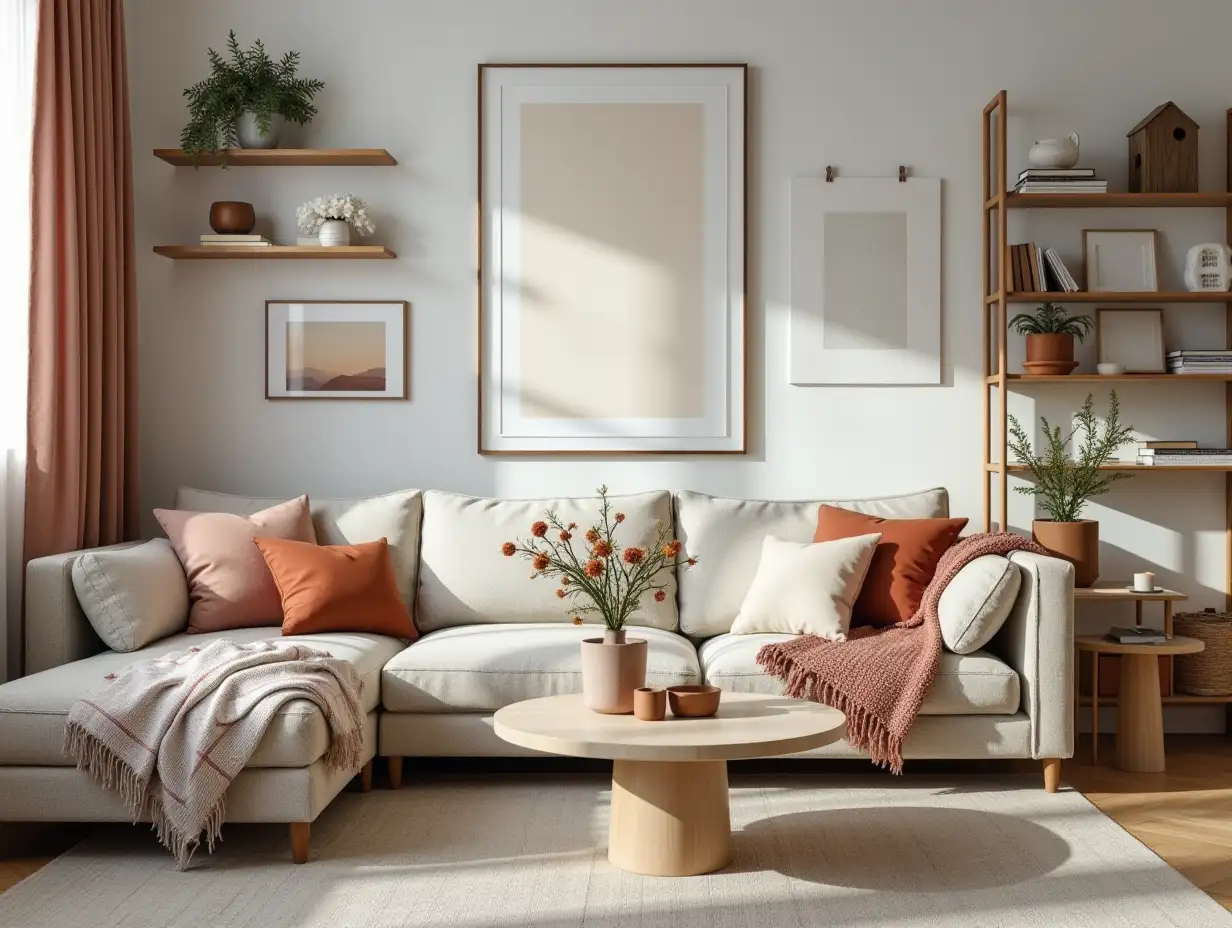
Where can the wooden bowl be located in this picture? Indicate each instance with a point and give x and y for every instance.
(693, 701)
(232, 217)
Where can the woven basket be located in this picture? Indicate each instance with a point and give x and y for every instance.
(1208, 673)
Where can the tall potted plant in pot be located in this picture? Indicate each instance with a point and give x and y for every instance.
(1064, 482)
(245, 99)
(1050, 334)
(608, 579)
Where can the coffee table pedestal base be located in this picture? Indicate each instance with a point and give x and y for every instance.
(670, 818)
(1140, 721)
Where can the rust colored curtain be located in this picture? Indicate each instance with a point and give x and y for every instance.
(81, 475)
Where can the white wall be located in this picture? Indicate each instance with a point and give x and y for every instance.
(861, 84)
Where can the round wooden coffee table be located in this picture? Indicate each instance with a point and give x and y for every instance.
(670, 813)
(1140, 714)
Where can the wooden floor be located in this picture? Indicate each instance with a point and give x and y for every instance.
(1184, 815)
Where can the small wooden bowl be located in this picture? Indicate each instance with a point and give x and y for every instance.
(693, 701)
(232, 217)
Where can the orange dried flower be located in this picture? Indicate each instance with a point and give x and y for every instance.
(634, 555)
(565, 536)
(692, 561)
(539, 529)
(620, 517)
(594, 567)
(560, 593)
(571, 526)
(603, 549)
(540, 562)
(671, 549)
(577, 620)
(509, 549)
(565, 581)
(660, 596)
(591, 535)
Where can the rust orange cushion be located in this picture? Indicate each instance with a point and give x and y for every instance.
(903, 564)
(337, 588)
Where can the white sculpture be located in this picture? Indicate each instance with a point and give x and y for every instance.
(1209, 267)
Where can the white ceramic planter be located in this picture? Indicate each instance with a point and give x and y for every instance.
(612, 668)
(249, 134)
(334, 232)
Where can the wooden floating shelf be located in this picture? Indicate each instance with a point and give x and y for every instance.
(1136, 468)
(1087, 377)
(266, 252)
(288, 157)
(1087, 296)
(1113, 200)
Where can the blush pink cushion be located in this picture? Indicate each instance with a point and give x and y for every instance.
(229, 584)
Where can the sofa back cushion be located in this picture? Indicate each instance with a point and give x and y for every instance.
(132, 595)
(394, 517)
(465, 580)
(726, 537)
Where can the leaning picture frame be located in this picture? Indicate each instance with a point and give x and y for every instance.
(1131, 337)
(1121, 260)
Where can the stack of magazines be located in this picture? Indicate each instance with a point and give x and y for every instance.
(1182, 454)
(1137, 635)
(1060, 180)
(257, 240)
(1208, 361)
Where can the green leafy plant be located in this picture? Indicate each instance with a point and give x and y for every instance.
(1051, 319)
(1064, 483)
(246, 81)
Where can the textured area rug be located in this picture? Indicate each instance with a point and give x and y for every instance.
(530, 851)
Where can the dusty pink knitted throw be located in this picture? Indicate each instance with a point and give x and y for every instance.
(878, 677)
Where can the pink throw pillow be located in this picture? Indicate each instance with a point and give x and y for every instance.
(229, 584)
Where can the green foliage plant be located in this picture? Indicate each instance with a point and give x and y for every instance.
(1051, 319)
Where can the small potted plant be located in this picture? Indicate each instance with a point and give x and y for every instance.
(609, 579)
(1064, 483)
(332, 218)
(244, 100)
(1050, 336)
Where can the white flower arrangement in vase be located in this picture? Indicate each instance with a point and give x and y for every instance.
(333, 217)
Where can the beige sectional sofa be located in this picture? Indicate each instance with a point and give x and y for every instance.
(492, 637)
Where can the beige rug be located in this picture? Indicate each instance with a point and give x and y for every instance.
(529, 851)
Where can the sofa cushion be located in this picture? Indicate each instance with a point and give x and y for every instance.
(966, 684)
(464, 579)
(132, 596)
(976, 603)
(482, 668)
(726, 535)
(394, 516)
(33, 708)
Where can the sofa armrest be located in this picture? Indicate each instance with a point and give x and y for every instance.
(57, 631)
(1037, 640)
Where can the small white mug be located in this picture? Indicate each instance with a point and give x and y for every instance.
(1144, 582)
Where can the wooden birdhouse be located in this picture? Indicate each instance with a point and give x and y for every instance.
(1163, 152)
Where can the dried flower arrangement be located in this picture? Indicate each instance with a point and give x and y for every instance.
(345, 206)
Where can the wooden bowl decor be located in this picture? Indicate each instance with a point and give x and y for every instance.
(232, 217)
(694, 701)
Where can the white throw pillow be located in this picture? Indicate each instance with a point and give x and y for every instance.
(977, 602)
(806, 589)
(132, 596)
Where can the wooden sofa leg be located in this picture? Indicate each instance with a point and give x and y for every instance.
(395, 772)
(1052, 774)
(365, 778)
(299, 841)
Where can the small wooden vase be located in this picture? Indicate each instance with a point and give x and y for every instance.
(1050, 354)
(232, 217)
(1076, 542)
(612, 668)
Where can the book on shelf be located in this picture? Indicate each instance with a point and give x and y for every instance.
(235, 240)
(1183, 452)
(1212, 460)
(1064, 278)
(1137, 635)
(1167, 444)
(1201, 353)
(1056, 172)
(1038, 270)
(1058, 186)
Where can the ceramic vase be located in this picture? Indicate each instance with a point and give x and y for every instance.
(612, 668)
(1076, 542)
(334, 232)
(249, 134)
(1054, 154)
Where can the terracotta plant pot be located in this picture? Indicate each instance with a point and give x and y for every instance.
(1076, 542)
(232, 217)
(1050, 354)
(612, 668)
(650, 703)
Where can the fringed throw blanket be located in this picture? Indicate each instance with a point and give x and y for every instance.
(879, 677)
(170, 734)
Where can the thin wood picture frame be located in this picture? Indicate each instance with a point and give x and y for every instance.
(1132, 269)
(360, 352)
(1126, 347)
(520, 411)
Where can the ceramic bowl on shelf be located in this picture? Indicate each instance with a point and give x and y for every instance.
(1109, 369)
(694, 701)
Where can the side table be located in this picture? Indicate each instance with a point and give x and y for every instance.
(1140, 718)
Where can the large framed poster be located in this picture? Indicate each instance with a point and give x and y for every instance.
(612, 258)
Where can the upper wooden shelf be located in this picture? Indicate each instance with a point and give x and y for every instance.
(1087, 296)
(269, 157)
(1112, 200)
(264, 252)
(1091, 377)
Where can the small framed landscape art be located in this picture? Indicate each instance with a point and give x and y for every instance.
(336, 350)
(612, 259)
(1120, 260)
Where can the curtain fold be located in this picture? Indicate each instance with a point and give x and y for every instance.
(81, 475)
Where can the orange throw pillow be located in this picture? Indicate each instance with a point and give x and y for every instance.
(337, 588)
(903, 564)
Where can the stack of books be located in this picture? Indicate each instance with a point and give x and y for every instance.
(256, 240)
(1181, 453)
(1207, 361)
(1060, 180)
(1039, 270)
(1137, 635)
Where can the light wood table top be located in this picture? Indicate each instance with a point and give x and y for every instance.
(747, 725)
(1117, 591)
(1178, 644)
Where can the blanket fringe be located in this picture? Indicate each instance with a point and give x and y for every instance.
(345, 750)
(183, 846)
(107, 768)
(864, 731)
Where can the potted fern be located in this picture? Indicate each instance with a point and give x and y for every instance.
(245, 99)
(1050, 336)
(1064, 482)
